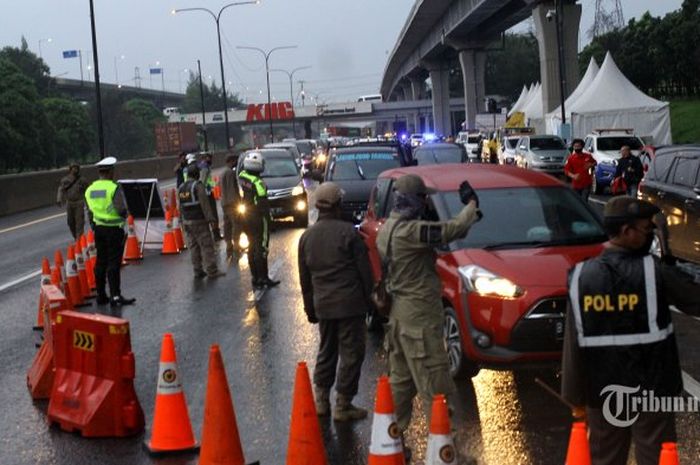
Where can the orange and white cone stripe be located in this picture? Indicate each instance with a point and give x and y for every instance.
(441, 447)
(385, 446)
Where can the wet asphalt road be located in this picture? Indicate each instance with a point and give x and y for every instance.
(503, 418)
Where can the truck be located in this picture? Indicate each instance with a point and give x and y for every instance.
(174, 138)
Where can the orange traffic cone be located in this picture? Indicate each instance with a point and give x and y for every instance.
(385, 447)
(217, 188)
(82, 273)
(669, 454)
(172, 430)
(58, 263)
(132, 250)
(89, 267)
(221, 444)
(441, 446)
(92, 247)
(173, 198)
(45, 279)
(73, 286)
(579, 452)
(169, 244)
(305, 441)
(177, 230)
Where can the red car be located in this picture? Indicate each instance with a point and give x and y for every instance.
(504, 285)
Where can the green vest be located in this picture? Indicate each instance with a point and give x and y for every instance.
(99, 197)
(254, 185)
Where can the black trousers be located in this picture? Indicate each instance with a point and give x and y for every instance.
(257, 229)
(109, 241)
(610, 445)
(342, 339)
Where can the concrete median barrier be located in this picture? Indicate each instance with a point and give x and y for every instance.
(27, 191)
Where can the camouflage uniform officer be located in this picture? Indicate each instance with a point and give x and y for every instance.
(197, 215)
(71, 195)
(418, 362)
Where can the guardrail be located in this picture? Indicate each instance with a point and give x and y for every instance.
(27, 191)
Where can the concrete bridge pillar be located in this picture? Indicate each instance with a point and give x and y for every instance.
(473, 64)
(417, 86)
(546, 33)
(439, 77)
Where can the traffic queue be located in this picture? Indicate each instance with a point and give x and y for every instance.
(461, 265)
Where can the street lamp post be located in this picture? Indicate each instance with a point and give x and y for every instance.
(559, 16)
(290, 75)
(116, 70)
(217, 17)
(267, 74)
(48, 41)
(98, 95)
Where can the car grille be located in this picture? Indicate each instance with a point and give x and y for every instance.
(278, 193)
(542, 328)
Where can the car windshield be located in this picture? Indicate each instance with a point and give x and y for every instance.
(431, 156)
(537, 217)
(613, 144)
(549, 143)
(277, 167)
(473, 139)
(304, 147)
(362, 166)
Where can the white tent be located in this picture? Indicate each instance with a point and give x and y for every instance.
(612, 101)
(553, 118)
(519, 103)
(534, 107)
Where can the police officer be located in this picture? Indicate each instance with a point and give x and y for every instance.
(205, 167)
(107, 212)
(417, 357)
(256, 221)
(336, 283)
(197, 216)
(71, 195)
(619, 342)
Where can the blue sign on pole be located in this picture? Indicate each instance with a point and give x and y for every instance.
(70, 54)
(156, 70)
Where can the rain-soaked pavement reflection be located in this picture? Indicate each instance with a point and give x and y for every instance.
(501, 417)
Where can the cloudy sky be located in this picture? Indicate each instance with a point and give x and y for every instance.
(344, 42)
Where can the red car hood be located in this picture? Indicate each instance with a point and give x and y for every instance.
(529, 267)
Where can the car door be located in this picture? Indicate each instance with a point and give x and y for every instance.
(682, 203)
(377, 211)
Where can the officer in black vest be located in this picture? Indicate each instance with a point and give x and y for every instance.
(619, 343)
(197, 217)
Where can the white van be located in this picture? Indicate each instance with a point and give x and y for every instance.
(370, 98)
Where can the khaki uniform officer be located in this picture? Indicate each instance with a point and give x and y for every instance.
(418, 361)
(71, 192)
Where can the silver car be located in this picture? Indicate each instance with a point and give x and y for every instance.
(546, 153)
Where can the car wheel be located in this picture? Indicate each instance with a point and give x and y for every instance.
(460, 366)
(302, 220)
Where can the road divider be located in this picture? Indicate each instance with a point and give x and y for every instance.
(40, 376)
(93, 390)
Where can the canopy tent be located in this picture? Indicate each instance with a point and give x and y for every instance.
(612, 101)
(553, 119)
(534, 107)
(519, 103)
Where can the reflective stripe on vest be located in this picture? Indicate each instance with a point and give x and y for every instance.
(258, 184)
(655, 334)
(99, 197)
(189, 202)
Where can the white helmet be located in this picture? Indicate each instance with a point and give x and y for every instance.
(191, 158)
(254, 162)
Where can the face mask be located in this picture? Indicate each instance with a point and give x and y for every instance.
(578, 150)
(644, 249)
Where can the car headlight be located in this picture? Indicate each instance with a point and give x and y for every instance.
(241, 209)
(483, 282)
(321, 158)
(298, 190)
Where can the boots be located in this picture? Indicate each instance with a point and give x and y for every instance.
(345, 411)
(323, 402)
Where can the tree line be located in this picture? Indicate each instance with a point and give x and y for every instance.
(40, 128)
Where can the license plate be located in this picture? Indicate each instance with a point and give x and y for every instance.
(276, 211)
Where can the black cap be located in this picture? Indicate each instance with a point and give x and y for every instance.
(629, 208)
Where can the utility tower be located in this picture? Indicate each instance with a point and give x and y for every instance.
(607, 17)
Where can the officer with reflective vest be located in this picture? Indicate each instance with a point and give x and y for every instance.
(256, 219)
(107, 212)
(197, 216)
(619, 345)
(206, 178)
